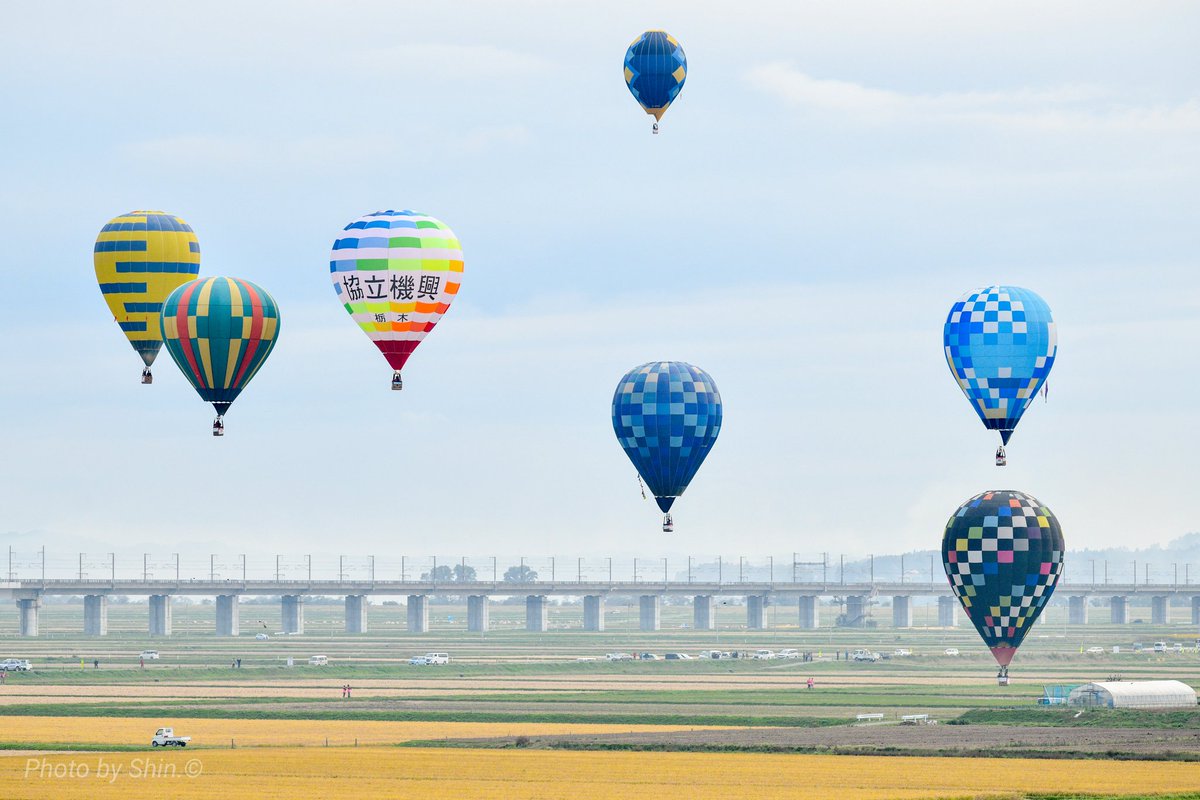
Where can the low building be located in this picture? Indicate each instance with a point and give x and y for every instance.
(1134, 694)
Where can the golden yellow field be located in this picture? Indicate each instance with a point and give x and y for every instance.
(542, 775)
(300, 732)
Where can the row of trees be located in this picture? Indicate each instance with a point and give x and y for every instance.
(461, 573)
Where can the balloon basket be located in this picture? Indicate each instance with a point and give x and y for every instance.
(1001, 457)
(668, 524)
(147, 377)
(654, 130)
(397, 384)
(1002, 677)
(218, 427)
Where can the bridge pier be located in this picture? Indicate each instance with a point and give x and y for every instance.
(649, 608)
(228, 618)
(704, 616)
(356, 613)
(948, 612)
(418, 613)
(810, 613)
(292, 611)
(902, 613)
(27, 615)
(856, 607)
(756, 612)
(160, 615)
(1159, 610)
(1077, 610)
(95, 615)
(1196, 610)
(536, 618)
(593, 612)
(1119, 610)
(477, 613)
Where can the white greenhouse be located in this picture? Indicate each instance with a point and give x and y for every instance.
(1134, 694)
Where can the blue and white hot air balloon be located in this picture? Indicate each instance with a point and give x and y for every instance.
(667, 415)
(1000, 343)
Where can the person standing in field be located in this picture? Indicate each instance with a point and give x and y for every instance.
(810, 683)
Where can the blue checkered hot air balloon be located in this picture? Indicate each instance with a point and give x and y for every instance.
(655, 69)
(1000, 344)
(666, 415)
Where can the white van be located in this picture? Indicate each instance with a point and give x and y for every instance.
(318, 661)
(1160, 647)
(437, 658)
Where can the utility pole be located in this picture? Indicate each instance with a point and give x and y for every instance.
(177, 569)
(793, 566)
(212, 567)
(665, 578)
(81, 567)
(579, 570)
(372, 569)
(842, 569)
(112, 566)
(689, 569)
(43, 566)
(552, 569)
(720, 570)
(145, 567)
(771, 561)
(341, 569)
(494, 579)
(741, 562)
(902, 569)
(309, 559)
(610, 570)
(872, 569)
(635, 575)
(243, 570)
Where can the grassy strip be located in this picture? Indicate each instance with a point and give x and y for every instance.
(149, 710)
(86, 747)
(739, 697)
(1072, 718)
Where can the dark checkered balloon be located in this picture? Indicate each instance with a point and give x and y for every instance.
(1003, 553)
(667, 415)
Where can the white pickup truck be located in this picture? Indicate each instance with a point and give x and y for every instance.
(864, 655)
(165, 737)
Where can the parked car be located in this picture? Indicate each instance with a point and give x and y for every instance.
(418, 661)
(951, 651)
(677, 657)
(165, 737)
(763, 655)
(648, 657)
(788, 652)
(1095, 651)
(864, 655)
(15, 665)
(262, 637)
(1160, 647)
(619, 657)
(901, 652)
(713, 654)
(150, 655)
(318, 661)
(437, 658)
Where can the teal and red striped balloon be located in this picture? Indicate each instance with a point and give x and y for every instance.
(219, 331)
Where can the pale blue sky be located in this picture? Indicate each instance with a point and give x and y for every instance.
(833, 177)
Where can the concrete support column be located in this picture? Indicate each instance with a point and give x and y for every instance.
(1077, 610)
(810, 614)
(1196, 610)
(902, 615)
(418, 613)
(356, 613)
(856, 607)
(756, 612)
(1119, 609)
(704, 617)
(1158, 610)
(293, 613)
(95, 615)
(27, 615)
(649, 607)
(948, 612)
(160, 615)
(593, 612)
(477, 613)
(228, 619)
(536, 618)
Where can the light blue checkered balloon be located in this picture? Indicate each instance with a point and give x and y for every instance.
(1000, 344)
(666, 415)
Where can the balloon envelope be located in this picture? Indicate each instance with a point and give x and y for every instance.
(220, 331)
(140, 258)
(1003, 554)
(655, 69)
(396, 273)
(666, 415)
(1000, 344)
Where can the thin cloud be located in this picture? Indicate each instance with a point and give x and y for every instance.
(1067, 107)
